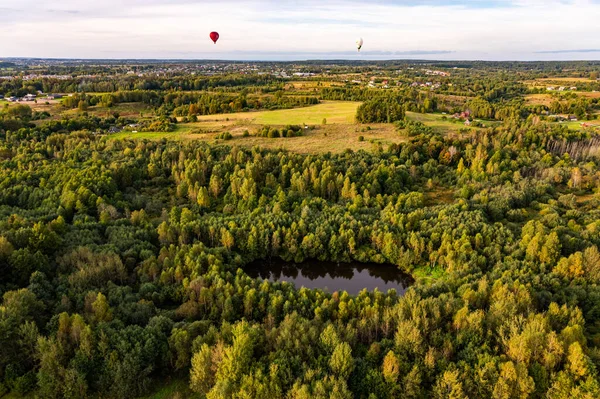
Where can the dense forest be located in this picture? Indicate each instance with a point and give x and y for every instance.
(122, 260)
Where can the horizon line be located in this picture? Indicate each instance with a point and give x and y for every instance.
(292, 60)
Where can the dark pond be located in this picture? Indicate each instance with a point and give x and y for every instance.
(330, 276)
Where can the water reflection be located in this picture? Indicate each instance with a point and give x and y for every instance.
(330, 276)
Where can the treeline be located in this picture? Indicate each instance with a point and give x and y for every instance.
(490, 86)
(411, 100)
(191, 104)
(18, 124)
(582, 85)
(516, 109)
(110, 84)
(380, 111)
(582, 108)
(209, 104)
(499, 106)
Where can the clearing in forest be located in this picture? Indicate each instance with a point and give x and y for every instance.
(334, 138)
(444, 126)
(341, 132)
(336, 112)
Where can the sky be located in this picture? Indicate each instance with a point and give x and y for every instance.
(302, 29)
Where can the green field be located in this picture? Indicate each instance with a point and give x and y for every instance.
(127, 110)
(572, 125)
(576, 125)
(336, 112)
(179, 133)
(340, 133)
(437, 122)
(329, 138)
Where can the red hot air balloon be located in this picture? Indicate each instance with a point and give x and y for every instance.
(214, 36)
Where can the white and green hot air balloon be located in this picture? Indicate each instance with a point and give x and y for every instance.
(359, 43)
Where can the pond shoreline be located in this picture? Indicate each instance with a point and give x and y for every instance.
(352, 277)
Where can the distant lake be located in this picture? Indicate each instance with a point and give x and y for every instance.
(330, 276)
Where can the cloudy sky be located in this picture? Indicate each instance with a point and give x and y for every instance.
(297, 30)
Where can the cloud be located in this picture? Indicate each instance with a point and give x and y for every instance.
(568, 51)
(478, 29)
(64, 11)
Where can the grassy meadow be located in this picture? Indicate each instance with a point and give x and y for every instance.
(441, 125)
(336, 112)
(339, 133)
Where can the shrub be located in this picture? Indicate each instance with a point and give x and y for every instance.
(224, 136)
